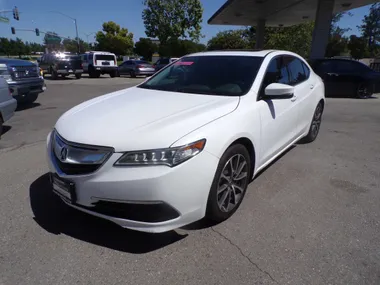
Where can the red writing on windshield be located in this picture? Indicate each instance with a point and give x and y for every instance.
(184, 63)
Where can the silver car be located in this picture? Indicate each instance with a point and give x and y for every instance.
(7, 103)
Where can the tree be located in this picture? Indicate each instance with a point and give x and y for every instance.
(296, 38)
(145, 47)
(231, 39)
(337, 44)
(115, 39)
(71, 45)
(358, 47)
(173, 19)
(178, 48)
(370, 27)
(5, 47)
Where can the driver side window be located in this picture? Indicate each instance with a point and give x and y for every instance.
(277, 72)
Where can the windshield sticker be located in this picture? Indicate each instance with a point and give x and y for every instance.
(184, 63)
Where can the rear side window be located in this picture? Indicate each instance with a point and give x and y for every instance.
(164, 61)
(90, 56)
(104, 57)
(306, 70)
(296, 70)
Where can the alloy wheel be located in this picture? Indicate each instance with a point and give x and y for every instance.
(232, 183)
(317, 119)
(363, 92)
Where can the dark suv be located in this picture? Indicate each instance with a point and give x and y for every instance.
(61, 64)
(24, 79)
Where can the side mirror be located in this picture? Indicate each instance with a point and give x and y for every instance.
(279, 91)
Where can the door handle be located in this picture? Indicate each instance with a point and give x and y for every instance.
(333, 74)
(311, 86)
(294, 98)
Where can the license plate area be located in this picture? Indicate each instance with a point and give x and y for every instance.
(105, 63)
(63, 188)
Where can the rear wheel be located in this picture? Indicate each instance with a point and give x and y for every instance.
(31, 98)
(93, 73)
(230, 183)
(315, 125)
(364, 91)
(78, 75)
(113, 74)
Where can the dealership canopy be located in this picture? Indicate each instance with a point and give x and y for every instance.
(274, 13)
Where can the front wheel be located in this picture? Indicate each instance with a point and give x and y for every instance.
(78, 75)
(315, 125)
(230, 183)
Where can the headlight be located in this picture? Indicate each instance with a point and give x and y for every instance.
(169, 156)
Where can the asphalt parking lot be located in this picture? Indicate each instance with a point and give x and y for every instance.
(312, 217)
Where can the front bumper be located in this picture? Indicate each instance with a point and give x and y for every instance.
(25, 87)
(178, 194)
(69, 71)
(7, 109)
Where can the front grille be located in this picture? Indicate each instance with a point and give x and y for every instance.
(78, 159)
(75, 169)
(150, 213)
(22, 72)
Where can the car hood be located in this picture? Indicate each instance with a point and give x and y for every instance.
(137, 118)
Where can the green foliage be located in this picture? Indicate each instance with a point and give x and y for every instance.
(178, 48)
(173, 19)
(358, 47)
(296, 38)
(232, 39)
(114, 39)
(145, 47)
(370, 27)
(18, 47)
(71, 45)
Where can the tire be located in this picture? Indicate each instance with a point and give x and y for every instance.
(132, 74)
(92, 72)
(78, 75)
(227, 191)
(364, 91)
(54, 74)
(315, 125)
(1, 126)
(63, 75)
(113, 74)
(31, 98)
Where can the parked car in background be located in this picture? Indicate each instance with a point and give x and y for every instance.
(7, 103)
(96, 63)
(185, 143)
(344, 77)
(61, 64)
(135, 68)
(162, 62)
(23, 78)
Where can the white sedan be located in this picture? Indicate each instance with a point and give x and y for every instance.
(185, 143)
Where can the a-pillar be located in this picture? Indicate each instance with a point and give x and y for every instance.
(321, 31)
(260, 34)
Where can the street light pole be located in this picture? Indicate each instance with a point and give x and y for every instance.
(76, 26)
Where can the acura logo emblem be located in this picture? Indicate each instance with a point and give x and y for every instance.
(63, 154)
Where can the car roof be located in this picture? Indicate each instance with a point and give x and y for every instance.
(15, 61)
(257, 53)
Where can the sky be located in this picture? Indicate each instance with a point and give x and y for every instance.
(91, 14)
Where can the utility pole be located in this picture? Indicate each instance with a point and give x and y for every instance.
(87, 35)
(76, 26)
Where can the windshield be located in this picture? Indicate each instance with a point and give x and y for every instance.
(209, 75)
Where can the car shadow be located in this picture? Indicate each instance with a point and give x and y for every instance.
(56, 217)
(6, 129)
(27, 106)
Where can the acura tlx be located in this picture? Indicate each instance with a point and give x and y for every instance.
(185, 143)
